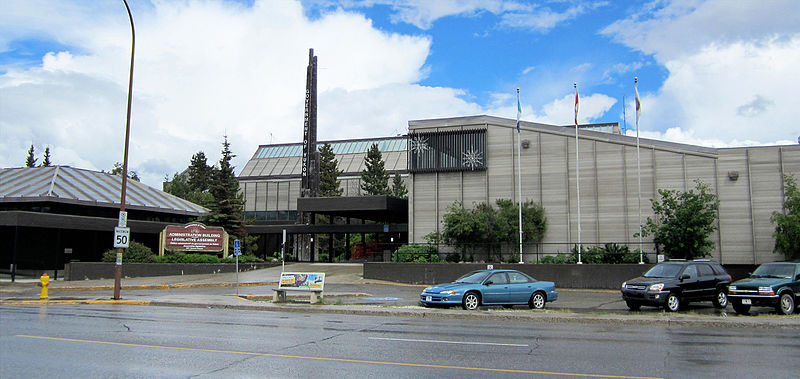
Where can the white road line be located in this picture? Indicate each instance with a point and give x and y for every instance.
(451, 342)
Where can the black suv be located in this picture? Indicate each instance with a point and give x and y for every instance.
(675, 283)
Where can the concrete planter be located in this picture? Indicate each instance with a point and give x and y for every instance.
(102, 270)
(603, 276)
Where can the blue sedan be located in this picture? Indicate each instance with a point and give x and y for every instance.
(491, 287)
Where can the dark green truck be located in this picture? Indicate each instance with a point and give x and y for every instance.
(774, 284)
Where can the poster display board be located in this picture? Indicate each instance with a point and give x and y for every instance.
(302, 281)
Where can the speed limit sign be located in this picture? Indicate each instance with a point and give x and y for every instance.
(122, 237)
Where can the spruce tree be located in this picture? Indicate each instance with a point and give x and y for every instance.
(374, 178)
(200, 173)
(328, 173)
(46, 160)
(30, 161)
(117, 170)
(227, 210)
(398, 187)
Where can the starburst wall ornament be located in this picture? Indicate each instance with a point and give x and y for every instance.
(472, 158)
(419, 144)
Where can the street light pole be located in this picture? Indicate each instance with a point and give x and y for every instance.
(118, 266)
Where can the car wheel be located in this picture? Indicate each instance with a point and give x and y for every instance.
(721, 299)
(634, 306)
(470, 301)
(740, 308)
(673, 303)
(537, 301)
(786, 304)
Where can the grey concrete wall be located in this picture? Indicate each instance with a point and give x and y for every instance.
(609, 185)
(98, 270)
(564, 276)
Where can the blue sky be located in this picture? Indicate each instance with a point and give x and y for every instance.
(712, 73)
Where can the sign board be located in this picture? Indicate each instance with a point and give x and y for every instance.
(660, 258)
(302, 280)
(194, 237)
(237, 247)
(490, 267)
(123, 219)
(122, 237)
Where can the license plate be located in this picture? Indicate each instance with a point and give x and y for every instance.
(746, 301)
(428, 298)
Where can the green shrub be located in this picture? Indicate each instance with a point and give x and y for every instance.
(559, 259)
(323, 257)
(415, 253)
(242, 259)
(136, 253)
(453, 257)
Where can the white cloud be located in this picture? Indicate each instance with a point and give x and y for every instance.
(670, 29)
(202, 70)
(732, 69)
(514, 14)
(744, 91)
(562, 111)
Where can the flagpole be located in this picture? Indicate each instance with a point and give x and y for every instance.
(638, 166)
(519, 175)
(578, 172)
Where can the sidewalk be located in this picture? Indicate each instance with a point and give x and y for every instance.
(347, 292)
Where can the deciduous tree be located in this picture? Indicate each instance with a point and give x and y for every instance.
(787, 223)
(684, 222)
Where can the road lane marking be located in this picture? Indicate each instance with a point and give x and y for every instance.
(486, 369)
(450, 342)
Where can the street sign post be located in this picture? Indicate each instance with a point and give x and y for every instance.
(237, 251)
(122, 237)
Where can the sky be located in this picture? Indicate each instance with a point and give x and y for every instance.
(711, 73)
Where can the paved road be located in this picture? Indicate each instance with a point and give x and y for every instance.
(116, 340)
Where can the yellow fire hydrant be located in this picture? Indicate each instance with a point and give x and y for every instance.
(44, 281)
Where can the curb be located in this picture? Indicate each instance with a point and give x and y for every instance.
(161, 286)
(545, 316)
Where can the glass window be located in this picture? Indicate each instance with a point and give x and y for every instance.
(499, 278)
(705, 270)
(691, 271)
(474, 277)
(664, 270)
(517, 277)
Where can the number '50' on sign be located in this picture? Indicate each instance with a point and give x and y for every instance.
(122, 237)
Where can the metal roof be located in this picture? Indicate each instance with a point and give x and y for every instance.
(78, 186)
(284, 160)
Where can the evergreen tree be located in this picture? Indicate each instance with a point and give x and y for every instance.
(46, 160)
(117, 170)
(329, 172)
(398, 187)
(374, 178)
(31, 161)
(200, 173)
(227, 210)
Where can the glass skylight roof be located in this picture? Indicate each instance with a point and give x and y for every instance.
(339, 148)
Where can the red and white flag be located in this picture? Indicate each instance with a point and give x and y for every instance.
(576, 104)
(638, 103)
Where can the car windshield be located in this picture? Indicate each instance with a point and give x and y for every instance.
(474, 277)
(663, 271)
(774, 271)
